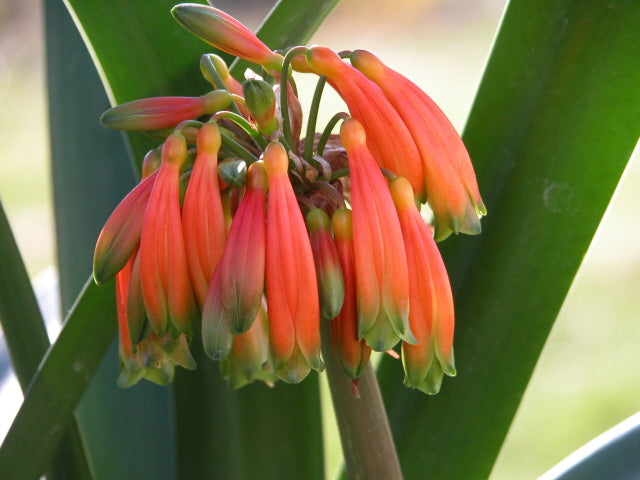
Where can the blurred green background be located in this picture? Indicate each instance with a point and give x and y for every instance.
(587, 379)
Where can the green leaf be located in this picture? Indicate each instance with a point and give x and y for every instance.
(247, 419)
(58, 384)
(614, 454)
(91, 173)
(152, 55)
(551, 130)
(255, 432)
(27, 341)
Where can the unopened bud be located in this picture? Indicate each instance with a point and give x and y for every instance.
(328, 271)
(261, 102)
(233, 172)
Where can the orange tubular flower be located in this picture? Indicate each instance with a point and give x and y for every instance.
(132, 372)
(152, 358)
(431, 315)
(452, 190)
(225, 33)
(381, 265)
(164, 276)
(352, 353)
(202, 216)
(292, 293)
(388, 138)
(163, 112)
(325, 255)
(235, 293)
(121, 233)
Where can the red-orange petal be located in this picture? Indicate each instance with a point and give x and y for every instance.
(381, 266)
(202, 214)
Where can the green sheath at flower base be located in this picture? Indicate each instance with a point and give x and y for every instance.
(328, 271)
(163, 112)
(261, 102)
(225, 33)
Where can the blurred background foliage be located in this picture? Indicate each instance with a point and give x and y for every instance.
(587, 379)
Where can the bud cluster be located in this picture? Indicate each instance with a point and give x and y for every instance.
(250, 237)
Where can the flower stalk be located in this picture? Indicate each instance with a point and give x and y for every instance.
(367, 443)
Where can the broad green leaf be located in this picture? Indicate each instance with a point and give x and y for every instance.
(57, 385)
(551, 130)
(91, 173)
(613, 454)
(247, 419)
(152, 55)
(255, 432)
(27, 341)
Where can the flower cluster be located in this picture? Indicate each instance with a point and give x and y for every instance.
(247, 235)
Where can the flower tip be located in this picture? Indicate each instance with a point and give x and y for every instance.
(352, 134)
(225, 33)
(368, 64)
(431, 383)
(294, 371)
(275, 159)
(447, 363)
(322, 60)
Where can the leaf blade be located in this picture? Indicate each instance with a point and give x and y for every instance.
(550, 133)
(58, 384)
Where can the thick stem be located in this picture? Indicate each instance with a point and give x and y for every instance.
(367, 444)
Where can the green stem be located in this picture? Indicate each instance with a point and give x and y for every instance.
(284, 103)
(343, 172)
(313, 118)
(237, 149)
(328, 129)
(367, 444)
(245, 125)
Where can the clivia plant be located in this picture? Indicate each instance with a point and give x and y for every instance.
(253, 251)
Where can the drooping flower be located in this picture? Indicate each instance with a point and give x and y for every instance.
(377, 279)
(224, 32)
(202, 215)
(163, 112)
(452, 189)
(351, 352)
(292, 293)
(152, 357)
(381, 264)
(235, 293)
(164, 277)
(121, 233)
(388, 138)
(325, 254)
(431, 315)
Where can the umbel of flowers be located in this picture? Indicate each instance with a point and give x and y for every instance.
(249, 237)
